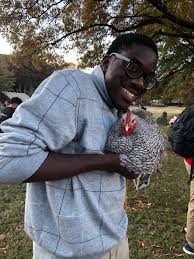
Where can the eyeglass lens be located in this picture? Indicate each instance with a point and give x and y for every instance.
(149, 82)
(134, 70)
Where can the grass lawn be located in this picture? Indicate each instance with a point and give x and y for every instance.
(157, 215)
(171, 110)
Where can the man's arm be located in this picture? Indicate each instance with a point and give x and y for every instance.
(34, 138)
(59, 166)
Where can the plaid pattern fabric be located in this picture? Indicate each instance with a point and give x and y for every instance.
(70, 113)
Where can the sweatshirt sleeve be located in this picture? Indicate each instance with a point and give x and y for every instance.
(46, 122)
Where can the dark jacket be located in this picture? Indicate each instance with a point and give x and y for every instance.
(6, 113)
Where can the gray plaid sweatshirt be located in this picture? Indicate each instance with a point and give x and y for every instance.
(78, 217)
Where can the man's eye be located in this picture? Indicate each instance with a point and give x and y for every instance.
(134, 70)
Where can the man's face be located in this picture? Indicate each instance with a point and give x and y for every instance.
(122, 89)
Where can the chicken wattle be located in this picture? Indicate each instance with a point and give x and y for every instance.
(129, 124)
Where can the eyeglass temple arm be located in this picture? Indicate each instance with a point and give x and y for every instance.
(120, 56)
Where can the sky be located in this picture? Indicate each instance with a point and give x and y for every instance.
(72, 56)
(5, 48)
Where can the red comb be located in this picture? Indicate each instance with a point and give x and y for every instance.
(129, 124)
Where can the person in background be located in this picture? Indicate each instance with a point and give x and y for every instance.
(188, 247)
(8, 111)
(163, 119)
(56, 143)
(6, 103)
(1, 106)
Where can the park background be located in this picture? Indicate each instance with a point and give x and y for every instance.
(44, 36)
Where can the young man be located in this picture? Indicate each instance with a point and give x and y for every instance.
(55, 142)
(10, 109)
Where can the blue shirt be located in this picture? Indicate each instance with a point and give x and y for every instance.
(70, 113)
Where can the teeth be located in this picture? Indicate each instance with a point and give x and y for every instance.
(129, 94)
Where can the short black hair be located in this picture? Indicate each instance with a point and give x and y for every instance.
(127, 39)
(16, 100)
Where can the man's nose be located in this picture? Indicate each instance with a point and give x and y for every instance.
(139, 84)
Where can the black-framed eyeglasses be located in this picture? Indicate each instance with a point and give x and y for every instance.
(134, 70)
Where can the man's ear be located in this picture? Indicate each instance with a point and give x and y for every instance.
(105, 63)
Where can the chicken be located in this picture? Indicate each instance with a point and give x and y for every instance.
(138, 140)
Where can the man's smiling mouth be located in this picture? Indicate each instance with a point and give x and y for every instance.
(129, 95)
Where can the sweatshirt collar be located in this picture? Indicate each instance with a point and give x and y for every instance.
(101, 86)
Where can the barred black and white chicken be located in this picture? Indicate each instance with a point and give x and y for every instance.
(138, 140)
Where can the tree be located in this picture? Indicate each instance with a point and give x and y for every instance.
(7, 79)
(41, 26)
(30, 72)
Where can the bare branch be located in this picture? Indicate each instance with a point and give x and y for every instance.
(112, 27)
(162, 8)
(183, 35)
(54, 4)
(176, 69)
(36, 2)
